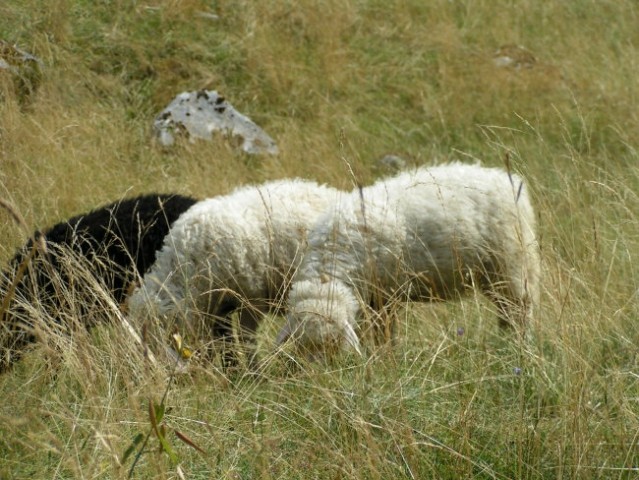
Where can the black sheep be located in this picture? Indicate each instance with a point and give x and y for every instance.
(116, 243)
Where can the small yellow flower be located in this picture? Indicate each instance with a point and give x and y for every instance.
(183, 351)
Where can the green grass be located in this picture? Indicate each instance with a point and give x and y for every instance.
(337, 83)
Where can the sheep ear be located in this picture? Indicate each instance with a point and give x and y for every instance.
(351, 338)
(285, 334)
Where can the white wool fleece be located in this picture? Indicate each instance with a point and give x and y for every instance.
(419, 235)
(233, 250)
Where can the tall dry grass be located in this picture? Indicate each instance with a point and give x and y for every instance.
(339, 84)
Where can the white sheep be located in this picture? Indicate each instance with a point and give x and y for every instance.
(422, 235)
(233, 252)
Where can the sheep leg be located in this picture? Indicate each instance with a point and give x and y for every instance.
(227, 342)
(384, 323)
(513, 305)
(249, 318)
(222, 332)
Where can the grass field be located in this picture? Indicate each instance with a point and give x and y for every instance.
(339, 84)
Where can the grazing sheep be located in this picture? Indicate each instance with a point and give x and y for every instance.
(116, 243)
(234, 252)
(423, 235)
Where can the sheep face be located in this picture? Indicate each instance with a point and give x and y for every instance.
(323, 316)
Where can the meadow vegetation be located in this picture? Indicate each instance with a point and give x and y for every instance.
(339, 84)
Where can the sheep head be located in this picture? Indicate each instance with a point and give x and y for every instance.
(321, 317)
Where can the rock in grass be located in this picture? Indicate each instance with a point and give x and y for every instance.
(22, 71)
(202, 113)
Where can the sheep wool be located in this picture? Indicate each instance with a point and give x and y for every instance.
(233, 252)
(421, 235)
